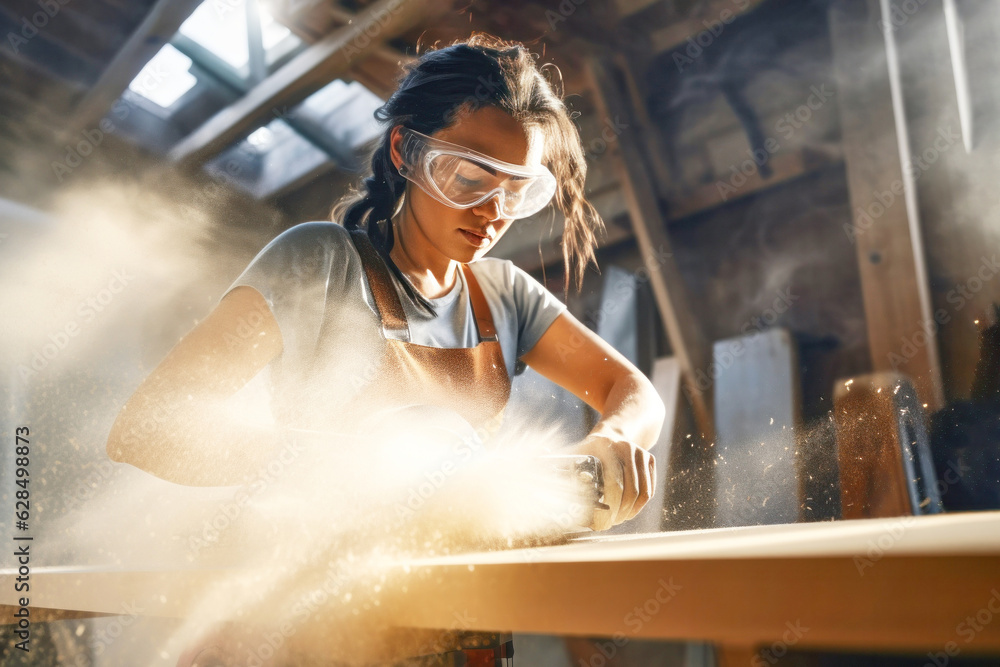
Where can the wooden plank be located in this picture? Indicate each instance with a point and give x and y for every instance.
(160, 24)
(886, 228)
(882, 610)
(686, 339)
(766, 576)
(757, 421)
(883, 449)
(26, 110)
(786, 168)
(322, 62)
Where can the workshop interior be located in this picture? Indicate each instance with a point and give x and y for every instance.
(801, 231)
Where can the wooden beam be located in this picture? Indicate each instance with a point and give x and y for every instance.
(380, 71)
(676, 33)
(956, 45)
(377, 73)
(321, 63)
(257, 57)
(160, 24)
(648, 225)
(786, 167)
(886, 226)
(653, 152)
(307, 21)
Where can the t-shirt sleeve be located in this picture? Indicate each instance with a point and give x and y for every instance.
(537, 309)
(291, 274)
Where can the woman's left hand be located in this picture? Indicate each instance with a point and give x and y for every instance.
(629, 477)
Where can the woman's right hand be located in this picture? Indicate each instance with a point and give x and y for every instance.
(629, 473)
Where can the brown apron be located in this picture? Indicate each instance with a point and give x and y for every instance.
(471, 381)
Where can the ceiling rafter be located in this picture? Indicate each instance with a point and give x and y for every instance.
(156, 29)
(322, 62)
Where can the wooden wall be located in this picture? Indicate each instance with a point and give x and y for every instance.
(957, 191)
(791, 233)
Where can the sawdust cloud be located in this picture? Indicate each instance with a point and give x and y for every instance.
(100, 291)
(310, 553)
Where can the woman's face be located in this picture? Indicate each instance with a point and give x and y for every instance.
(463, 235)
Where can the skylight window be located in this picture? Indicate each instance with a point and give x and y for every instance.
(345, 112)
(165, 78)
(269, 160)
(220, 27)
(262, 137)
(272, 32)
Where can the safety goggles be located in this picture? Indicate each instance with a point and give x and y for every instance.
(462, 178)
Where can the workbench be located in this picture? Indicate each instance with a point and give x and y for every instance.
(908, 584)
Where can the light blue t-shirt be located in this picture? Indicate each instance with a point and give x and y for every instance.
(314, 284)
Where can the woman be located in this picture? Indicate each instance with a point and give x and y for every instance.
(396, 304)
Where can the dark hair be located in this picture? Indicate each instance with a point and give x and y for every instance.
(479, 72)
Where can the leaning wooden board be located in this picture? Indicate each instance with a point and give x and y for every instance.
(901, 584)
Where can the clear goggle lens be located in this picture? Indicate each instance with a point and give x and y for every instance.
(462, 178)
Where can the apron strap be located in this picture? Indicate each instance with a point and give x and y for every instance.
(390, 309)
(387, 302)
(480, 307)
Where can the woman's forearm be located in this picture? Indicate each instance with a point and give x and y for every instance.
(179, 425)
(633, 411)
(191, 444)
